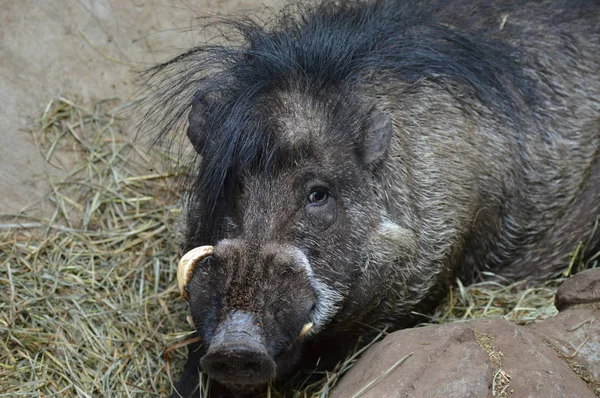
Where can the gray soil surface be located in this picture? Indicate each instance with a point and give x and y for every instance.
(87, 49)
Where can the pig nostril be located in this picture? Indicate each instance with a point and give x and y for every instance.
(220, 366)
(242, 365)
(250, 366)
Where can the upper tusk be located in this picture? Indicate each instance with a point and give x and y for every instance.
(305, 329)
(186, 266)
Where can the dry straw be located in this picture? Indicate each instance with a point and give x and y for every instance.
(88, 295)
(87, 299)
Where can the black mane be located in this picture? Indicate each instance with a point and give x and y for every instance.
(329, 46)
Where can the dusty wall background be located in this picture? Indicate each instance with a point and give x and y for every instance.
(86, 48)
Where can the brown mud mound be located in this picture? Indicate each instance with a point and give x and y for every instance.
(557, 357)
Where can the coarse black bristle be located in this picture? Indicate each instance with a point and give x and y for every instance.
(325, 47)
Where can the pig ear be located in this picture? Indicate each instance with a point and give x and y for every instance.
(377, 133)
(196, 131)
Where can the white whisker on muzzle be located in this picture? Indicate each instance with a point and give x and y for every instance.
(327, 300)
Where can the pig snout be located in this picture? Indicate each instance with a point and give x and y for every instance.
(254, 307)
(238, 353)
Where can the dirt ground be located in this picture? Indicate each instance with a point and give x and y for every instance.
(83, 48)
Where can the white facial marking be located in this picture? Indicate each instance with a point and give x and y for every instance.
(227, 242)
(327, 300)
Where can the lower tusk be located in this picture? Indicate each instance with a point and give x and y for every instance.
(190, 320)
(305, 329)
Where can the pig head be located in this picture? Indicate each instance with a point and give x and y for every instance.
(288, 237)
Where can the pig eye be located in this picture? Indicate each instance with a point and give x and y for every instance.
(320, 207)
(318, 197)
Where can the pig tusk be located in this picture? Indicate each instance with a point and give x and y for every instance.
(305, 329)
(186, 266)
(190, 321)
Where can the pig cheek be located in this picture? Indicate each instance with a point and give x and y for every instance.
(322, 217)
(205, 307)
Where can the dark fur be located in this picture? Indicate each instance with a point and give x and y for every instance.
(493, 164)
(332, 48)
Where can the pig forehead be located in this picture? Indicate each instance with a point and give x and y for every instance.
(302, 120)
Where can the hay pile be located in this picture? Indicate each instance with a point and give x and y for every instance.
(88, 299)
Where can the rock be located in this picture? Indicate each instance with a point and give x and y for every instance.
(464, 360)
(575, 335)
(581, 290)
(451, 348)
(559, 357)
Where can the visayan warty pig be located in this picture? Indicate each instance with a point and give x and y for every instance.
(356, 157)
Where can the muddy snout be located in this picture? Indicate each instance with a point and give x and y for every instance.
(237, 352)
